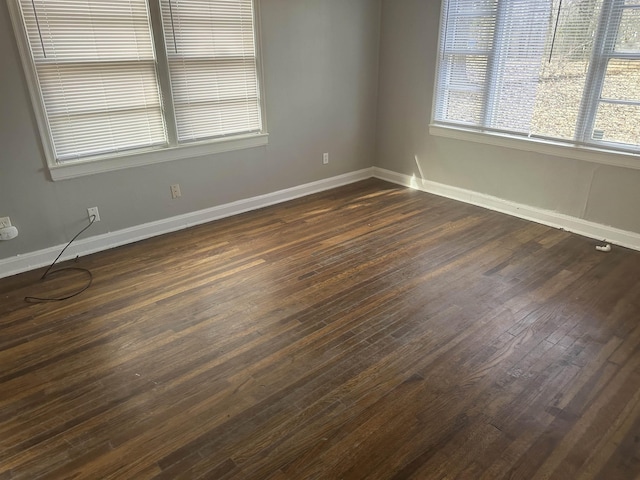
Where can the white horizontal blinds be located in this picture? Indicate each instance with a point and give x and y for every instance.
(521, 38)
(212, 64)
(95, 65)
(559, 69)
(466, 47)
(617, 111)
(571, 37)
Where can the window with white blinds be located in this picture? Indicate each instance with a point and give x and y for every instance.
(104, 91)
(212, 61)
(562, 70)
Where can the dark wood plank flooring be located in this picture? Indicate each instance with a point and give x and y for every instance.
(368, 332)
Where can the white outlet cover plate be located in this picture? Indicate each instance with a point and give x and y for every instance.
(94, 211)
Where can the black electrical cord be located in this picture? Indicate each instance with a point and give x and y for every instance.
(49, 272)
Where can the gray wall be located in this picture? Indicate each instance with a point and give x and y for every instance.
(321, 70)
(409, 33)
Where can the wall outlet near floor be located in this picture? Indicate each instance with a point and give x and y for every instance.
(175, 191)
(93, 211)
(325, 158)
(8, 233)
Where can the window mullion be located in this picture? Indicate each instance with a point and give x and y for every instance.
(604, 46)
(494, 66)
(162, 68)
(443, 72)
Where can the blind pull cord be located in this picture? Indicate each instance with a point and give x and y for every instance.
(446, 30)
(173, 28)
(555, 31)
(35, 12)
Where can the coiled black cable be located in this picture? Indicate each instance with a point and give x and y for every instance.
(49, 272)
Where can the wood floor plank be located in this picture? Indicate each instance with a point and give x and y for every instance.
(367, 332)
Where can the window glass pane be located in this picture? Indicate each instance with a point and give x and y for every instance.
(209, 28)
(467, 42)
(467, 72)
(77, 138)
(465, 97)
(558, 100)
(618, 123)
(212, 63)
(471, 7)
(102, 108)
(537, 78)
(465, 107)
(213, 98)
(95, 66)
(564, 68)
(628, 39)
(88, 29)
(521, 51)
(470, 26)
(471, 32)
(622, 81)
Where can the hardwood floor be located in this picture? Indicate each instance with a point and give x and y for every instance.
(368, 332)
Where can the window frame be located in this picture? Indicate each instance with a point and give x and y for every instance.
(171, 151)
(608, 153)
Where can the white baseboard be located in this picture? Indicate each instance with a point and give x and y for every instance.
(580, 226)
(22, 263)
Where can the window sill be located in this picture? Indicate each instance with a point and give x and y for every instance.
(558, 149)
(111, 163)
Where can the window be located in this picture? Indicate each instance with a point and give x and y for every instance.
(120, 78)
(554, 70)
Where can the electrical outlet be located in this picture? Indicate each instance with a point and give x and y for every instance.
(5, 222)
(325, 158)
(93, 211)
(175, 191)
(8, 233)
